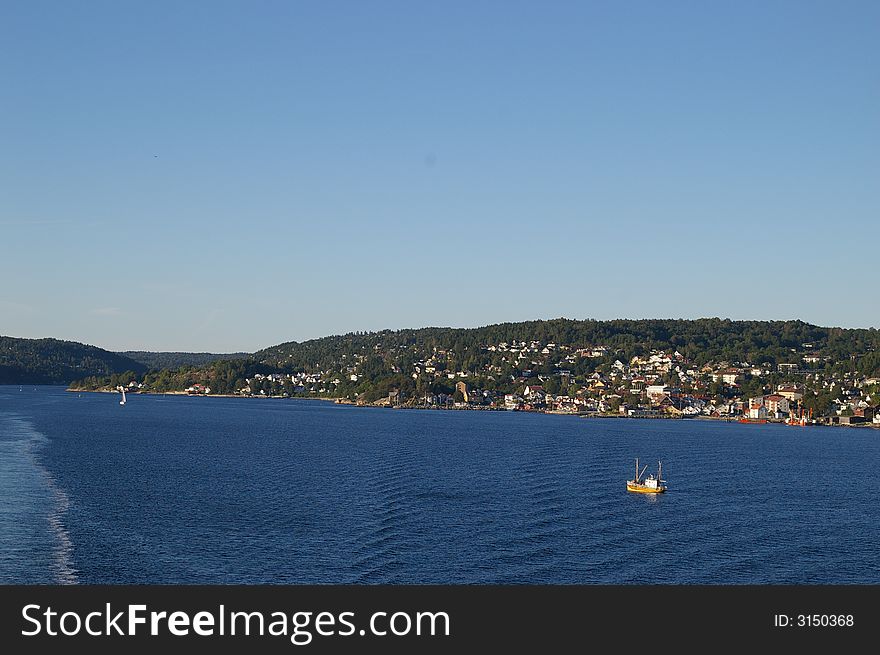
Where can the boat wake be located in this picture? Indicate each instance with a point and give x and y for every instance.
(22, 445)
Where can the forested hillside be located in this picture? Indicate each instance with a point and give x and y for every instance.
(51, 361)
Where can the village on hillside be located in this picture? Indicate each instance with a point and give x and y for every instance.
(656, 385)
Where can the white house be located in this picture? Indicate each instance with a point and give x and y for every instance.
(777, 405)
(656, 391)
(792, 392)
(758, 412)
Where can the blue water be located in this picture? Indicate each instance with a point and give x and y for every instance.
(171, 489)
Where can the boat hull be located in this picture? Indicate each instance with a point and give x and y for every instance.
(641, 489)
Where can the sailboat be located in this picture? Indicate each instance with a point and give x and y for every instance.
(122, 389)
(650, 485)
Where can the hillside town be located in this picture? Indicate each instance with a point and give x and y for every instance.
(591, 381)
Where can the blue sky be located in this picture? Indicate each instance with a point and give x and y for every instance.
(225, 176)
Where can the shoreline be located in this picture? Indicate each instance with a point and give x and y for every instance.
(195, 395)
(344, 401)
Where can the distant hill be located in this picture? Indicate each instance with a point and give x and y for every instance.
(562, 354)
(172, 360)
(51, 361)
(702, 340)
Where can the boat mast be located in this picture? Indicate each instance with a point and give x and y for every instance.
(637, 470)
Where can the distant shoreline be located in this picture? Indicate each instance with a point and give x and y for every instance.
(196, 395)
(343, 401)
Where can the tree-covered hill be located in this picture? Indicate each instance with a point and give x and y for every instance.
(159, 360)
(51, 361)
(565, 355)
(700, 341)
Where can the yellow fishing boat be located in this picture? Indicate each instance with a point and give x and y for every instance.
(648, 485)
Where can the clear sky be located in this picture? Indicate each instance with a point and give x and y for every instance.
(225, 176)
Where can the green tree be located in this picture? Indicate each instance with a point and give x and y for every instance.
(552, 386)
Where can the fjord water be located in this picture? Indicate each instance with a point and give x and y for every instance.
(171, 489)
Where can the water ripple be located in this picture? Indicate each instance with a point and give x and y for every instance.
(232, 491)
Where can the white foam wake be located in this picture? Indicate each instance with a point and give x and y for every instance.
(32, 442)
